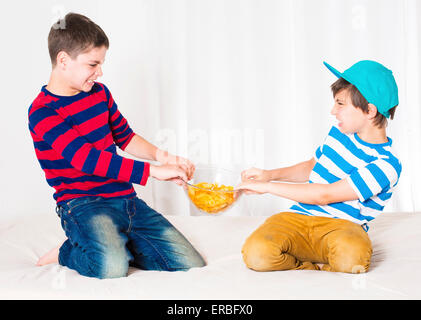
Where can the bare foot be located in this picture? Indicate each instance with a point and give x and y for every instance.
(50, 257)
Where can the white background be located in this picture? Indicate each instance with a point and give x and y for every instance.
(234, 83)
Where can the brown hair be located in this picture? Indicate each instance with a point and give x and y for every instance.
(359, 101)
(74, 34)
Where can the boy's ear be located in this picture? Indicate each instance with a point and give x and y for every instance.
(372, 111)
(62, 59)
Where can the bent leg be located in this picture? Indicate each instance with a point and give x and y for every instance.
(157, 245)
(262, 255)
(95, 247)
(278, 244)
(349, 250)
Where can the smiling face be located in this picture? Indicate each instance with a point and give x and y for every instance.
(81, 72)
(350, 118)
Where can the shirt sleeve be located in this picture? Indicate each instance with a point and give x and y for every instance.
(47, 124)
(378, 176)
(318, 153)
(120, 128)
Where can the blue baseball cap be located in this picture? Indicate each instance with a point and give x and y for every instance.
(374, 81)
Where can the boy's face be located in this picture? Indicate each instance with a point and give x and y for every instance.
(81, 72)
(351, 119)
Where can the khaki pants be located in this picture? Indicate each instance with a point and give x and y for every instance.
(292, 241)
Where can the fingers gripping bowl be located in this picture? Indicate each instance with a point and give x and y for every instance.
(211, 190)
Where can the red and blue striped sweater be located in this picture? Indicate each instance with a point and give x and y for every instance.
(75, 140)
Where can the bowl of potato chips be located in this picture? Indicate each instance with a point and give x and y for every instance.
(211, 190)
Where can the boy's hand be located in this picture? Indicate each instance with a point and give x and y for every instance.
(165, 157)
(169, 172)
(255, 174)
(253, 187)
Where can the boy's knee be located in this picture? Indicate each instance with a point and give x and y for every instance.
(191, 260)
(198, 261)
(258, 253)
(116, 265)
(351, 255)
(110, 264)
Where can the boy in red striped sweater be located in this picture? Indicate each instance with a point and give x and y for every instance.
(76, 125)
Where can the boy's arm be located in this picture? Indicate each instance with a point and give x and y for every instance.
(309, 193)
(299, 172)
(376, 177)
(141, 148)
(47, 124)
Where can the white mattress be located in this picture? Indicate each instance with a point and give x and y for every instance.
(395, 271)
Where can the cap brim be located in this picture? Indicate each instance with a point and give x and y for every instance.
(333, 70)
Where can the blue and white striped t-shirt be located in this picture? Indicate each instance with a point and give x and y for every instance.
(372, 170)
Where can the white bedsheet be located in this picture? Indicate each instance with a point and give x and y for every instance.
(394, 273)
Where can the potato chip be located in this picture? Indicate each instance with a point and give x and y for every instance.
(213, 199)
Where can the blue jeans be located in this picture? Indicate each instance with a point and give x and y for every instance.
(107, 235)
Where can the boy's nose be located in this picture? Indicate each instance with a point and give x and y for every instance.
(99, 72)
(333, 111)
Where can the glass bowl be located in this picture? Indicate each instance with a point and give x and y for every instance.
(210, 191)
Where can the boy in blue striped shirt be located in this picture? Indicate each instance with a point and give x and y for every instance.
(350, 179)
